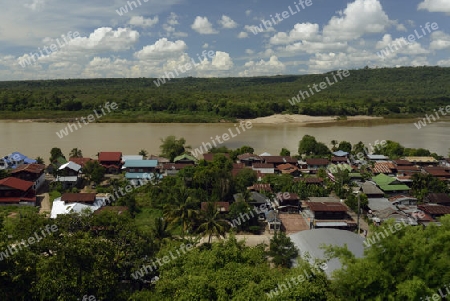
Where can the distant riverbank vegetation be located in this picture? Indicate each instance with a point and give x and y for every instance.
(389, 92)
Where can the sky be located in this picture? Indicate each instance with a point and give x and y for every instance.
(57, 39)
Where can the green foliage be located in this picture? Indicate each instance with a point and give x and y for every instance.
(423, 184)
(352, 201)
(172, 147)
(282, 250)
(94, 171)
(76, 153)
(285, 152)
(365, 92)
(55, 153)
(309, 146)
(345, 146)
(244, 178)
(409, 264)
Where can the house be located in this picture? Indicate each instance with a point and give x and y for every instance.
(422, 161)
(329, 215)
(83, 198)
(377, 158)
(76, 203)
(131, 157)
(171, 169)
(111, 161)
(263, 168)
(337, 160)
(161, 160)
(341, 153)
(289, 169)
(14, 159)
(237, 167)
(69, 174)
(402, 162)
(314, 164)
(14, 191)
(80, 161)
(248, 159)
(185, 159)
(403, 200)
(222, 207)
(277, 160)
(438, 198)
(371, 190)
(287, 202)
(273, 221)
(387, 168)
(137, 170)
(30, 172)
(260, 187)
(434, 210)
(440, 172)
(390, 185)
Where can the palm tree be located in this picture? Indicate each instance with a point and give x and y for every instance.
(183, 212)
(334, 143)
(143, 153)
(160, 231)
(212, 224)
(75, 153)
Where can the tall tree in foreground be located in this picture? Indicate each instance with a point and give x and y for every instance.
(212, 224)
(409, 263)
(282, 250)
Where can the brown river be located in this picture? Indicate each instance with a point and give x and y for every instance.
(36, 139)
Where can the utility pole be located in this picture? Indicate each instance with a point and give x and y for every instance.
(359, 210)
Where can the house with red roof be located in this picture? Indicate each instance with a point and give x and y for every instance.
(30, 172)
(111, 161)
(14, 191)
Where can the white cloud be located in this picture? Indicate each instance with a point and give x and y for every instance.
(203, 26)
(248, 12)
(172, 19)
(271, 67)
(227, 22)
(301, 31)
(142, 22)
(161, 49)
(206, 45)
(242, 35)
(249, 51)
(36, 5)
(440, 40)
(360, 17)
(435, 6)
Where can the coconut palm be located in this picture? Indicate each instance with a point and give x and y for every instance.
(183, 211)
(160, 231)
(76, 153)
(334, 143)
(212, 224)
(143, 153)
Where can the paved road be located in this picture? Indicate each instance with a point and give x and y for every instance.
(46, 207)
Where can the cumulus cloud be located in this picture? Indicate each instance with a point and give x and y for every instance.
(227, 22)
(162, 48)
(301, 31)
(435, 6)
(242, 35)
(440, 40)
(360, 17)
(271, 67)
(203, 26)
(142, 22)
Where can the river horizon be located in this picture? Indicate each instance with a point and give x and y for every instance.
(36, 138)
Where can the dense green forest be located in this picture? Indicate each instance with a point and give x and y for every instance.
(389, 92)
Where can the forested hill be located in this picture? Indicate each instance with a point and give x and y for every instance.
(406, 91)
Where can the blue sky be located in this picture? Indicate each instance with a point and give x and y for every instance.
(160, 36)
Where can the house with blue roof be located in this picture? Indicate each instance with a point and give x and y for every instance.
(137, 171)
(14, 159)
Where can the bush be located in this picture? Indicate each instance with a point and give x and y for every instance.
(255, 229)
